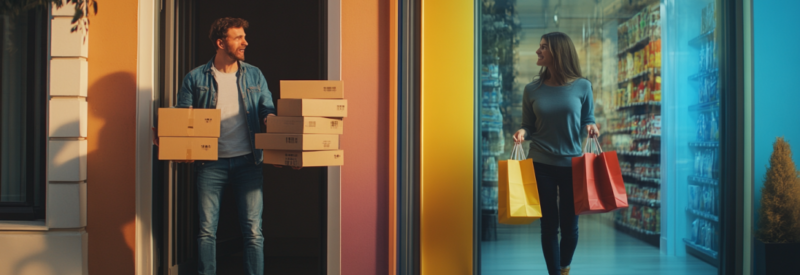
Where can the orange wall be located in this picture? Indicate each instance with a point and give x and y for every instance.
(111, 140)
(365, 71)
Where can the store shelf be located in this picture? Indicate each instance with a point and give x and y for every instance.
(646, 202)
(637, 154)
(705, 74)
(628, 226)
(703, 214)
(639, 104)
(616, 132)
(703, 180)
(705, 107)
(641, 178)
(646, 136)
(706, 251)
(702, 39)
(705, 144)
(650, 237)
(633, 77)
(490, 154)
(489, 183)
(635, 46)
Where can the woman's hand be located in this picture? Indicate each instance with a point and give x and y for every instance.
(519, 136)
(592, 130)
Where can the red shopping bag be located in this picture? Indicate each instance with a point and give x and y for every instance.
(584, 184)
(608, 177)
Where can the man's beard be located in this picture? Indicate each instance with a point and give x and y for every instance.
(232, 55)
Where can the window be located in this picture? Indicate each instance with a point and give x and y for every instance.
(23, 110)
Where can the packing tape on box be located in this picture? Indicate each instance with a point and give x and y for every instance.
(191, 121)
(189, 154)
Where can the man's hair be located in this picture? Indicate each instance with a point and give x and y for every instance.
(219, 29)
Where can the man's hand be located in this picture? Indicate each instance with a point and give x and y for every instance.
(265, 119)
(155, 136)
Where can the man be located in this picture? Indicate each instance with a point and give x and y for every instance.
(239, 90)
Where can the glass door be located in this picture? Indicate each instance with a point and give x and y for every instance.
(656, 81)
(694, 93)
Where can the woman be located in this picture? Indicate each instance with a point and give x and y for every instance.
(555, 107)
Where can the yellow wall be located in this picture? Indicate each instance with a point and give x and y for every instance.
(447, 137)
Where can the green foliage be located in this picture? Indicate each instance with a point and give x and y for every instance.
(779, 216)
(80, 21)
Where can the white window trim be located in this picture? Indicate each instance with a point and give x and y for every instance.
(144, 101)
(334, 172)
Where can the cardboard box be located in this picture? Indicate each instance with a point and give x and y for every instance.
(312, 89)
(304, 125)
(304, 158)
(302, 142)
(312, 107)
(187, 148)
(185, 122)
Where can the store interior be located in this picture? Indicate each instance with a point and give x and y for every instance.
(654, 72)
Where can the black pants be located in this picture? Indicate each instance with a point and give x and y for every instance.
(555, 181)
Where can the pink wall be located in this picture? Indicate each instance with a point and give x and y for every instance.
(365, 71)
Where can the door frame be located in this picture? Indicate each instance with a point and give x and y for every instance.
(147, 81)
(413, 251)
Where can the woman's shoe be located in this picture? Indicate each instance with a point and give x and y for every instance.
(565, 271)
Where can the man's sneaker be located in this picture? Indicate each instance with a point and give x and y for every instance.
(565, 271)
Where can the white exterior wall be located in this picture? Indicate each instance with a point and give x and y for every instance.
(58, 245)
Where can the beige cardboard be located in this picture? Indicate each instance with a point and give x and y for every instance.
(304, 158)
(312, 107)
(185, 122)
(187, 148)
(312, 89)
(304, 125)
(303, 142)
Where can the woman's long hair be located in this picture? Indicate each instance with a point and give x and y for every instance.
(566, 67)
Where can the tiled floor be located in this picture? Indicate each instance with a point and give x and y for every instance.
(601, 250)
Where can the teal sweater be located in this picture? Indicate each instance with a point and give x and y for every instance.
(554, 119)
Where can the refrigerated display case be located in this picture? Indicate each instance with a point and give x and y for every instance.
(694, 140)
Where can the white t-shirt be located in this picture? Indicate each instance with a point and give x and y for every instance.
(233, 139)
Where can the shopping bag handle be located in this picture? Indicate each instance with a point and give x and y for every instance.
(595, 148)
(597, 143)
(518, 153)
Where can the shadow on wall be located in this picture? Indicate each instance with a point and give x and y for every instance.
(111, 178)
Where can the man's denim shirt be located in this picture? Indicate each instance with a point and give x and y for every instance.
(199, 90)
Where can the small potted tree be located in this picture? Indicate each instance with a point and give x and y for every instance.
(778, 236)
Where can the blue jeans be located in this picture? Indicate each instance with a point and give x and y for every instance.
(246, 178)
(555, 182)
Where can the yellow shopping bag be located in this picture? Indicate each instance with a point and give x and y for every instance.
(517, 192)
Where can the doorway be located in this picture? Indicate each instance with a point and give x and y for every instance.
(287, 41)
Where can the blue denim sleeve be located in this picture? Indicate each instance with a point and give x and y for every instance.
(185, 94)
(265, 104)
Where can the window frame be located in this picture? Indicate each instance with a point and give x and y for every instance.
(36, 99)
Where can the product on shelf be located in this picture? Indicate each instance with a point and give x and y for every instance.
(708, 18)
(704, 161)
(489, 197)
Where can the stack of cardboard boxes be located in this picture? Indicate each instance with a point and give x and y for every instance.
(188, 134)
(305, 133)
